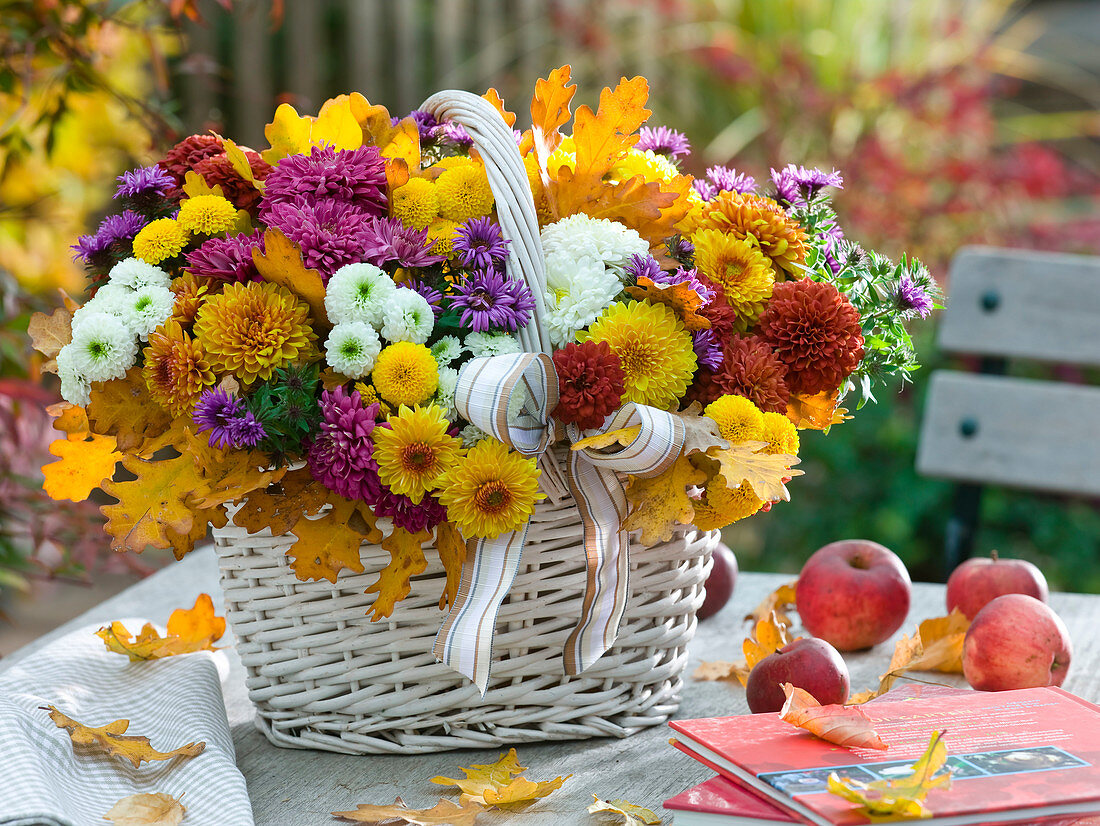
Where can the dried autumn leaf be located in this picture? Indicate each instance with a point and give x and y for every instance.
(239, 161)
(941, 641)
(291, 134)
(194, 185)
(158, 809)
(681, 298)
(604, 136)
(903, 796)
(817, 412)
(661, 502)
(404, 144)
(768, 636)
(778, 601)
(645, 207)
(406, 561)
(70, 420)
(124, 409)
(550, 112)
(49, 333)
(623, 436)
(281, 262)
(625, 813)
(281, 505)
(842, 725)
(452, 553)
(718, 670)
(700, 432)
(82, 467)
(328, 544)
(764, 472)
(443, 813)
(189, 630)
(374, 120)
(495, 782)
(493, 96)
(112, 739)
(228, 475)
(519, 794)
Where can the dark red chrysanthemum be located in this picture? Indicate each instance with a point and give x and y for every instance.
(590, 383)
(704, 387)
(218, 171)
(182, 157)
(815, 331)
(753, 370)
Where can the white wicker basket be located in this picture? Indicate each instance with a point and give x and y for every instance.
(323, 676)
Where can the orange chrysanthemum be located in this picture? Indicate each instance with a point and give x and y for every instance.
(252, 329)
(176, 369)
(191, 293)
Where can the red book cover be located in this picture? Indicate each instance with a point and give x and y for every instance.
(1016, 756)
(721, 796)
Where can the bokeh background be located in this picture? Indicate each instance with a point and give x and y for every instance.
(953, 122)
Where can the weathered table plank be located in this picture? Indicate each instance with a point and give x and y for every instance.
(302, 787)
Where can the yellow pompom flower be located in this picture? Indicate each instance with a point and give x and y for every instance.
(652, 167)
(721, 506)
(490, 491)
(405, 373)
(416, 203)
(442, 233)
(160, 240)
(464, 193)
(207, 214)
(780, 434)
(251, 330)
(739, 268)
(415, 450)
(654, 348)
(739, 420)
(369, 395)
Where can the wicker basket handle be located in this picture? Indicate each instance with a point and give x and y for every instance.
(514, 203)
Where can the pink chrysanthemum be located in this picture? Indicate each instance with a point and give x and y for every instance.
(227, 259)
(342, 457)
(356, 177)
(387, 240)
(412, 517)
(330, 233)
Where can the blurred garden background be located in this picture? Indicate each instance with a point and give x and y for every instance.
(953, 122)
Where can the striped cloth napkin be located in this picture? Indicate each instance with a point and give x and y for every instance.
(172, 701)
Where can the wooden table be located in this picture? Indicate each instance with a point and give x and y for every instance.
(300, 788)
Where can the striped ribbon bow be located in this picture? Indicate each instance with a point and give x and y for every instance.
(527, 382)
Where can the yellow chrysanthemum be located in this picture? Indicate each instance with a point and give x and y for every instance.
(160, 240)
(654, 348)
(564, 155)
(176, 369)
(492, 490)
(739, 420)
(252, 329)
(405, 373)
(453, 162)
(652, 167)
(780, 434)
(739, 268)
(207, 214)
(369, 395)
(464, 193)
(721, 506)
(416, 203)
(442, 233)
(415, 450)
(190, 294)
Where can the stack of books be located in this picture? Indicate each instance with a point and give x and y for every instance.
(1029, 756)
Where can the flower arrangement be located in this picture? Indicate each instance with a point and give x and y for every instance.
(302, 333)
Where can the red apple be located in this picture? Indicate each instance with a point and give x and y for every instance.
(1016, 642)
(811, 664)
(720, 582)
(853, 593)
(977, 581)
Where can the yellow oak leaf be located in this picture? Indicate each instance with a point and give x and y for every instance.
(700, 432)
(498, 782)
(70, 420)
(817, 412)
(779, 601)
(228, 475)
(443, 813)
(404, 144)
(198, 625)
(764, 472)
(406, 560)
(625, 812)
(652, 209)
(493, 96)
(719, 670)
(239, 161)
(81, 467)
(623, 436)
(112, 739)
(768, 636)
(328, 544)
(281, 263)
(452, 553)
(189, 630)
(49, 333)
(158, 809)
(941, 640)
(902, 796)
(287, 134)
(549, 112)
(519, 794)
(681, 298)
(291, 134)
(661, 502)
(124, 409)
(373, 119)
(195, 184)
(604, 136)
(834, 723)
(279, 506)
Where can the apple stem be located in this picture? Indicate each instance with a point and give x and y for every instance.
(993, 555)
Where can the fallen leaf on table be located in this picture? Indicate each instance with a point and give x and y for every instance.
(718, 670)
(780, 601)
(630, 814)
(112, 739)
(842, 725)
(904, 795)
(494, 784)
(158, 809)
(767, 637)
(189, 630)
(443, 813)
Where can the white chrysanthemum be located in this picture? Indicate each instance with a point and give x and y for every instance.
(136, 274)
(75, 389)
(578, 290)
(580, 236)
(352, 348)
(147, 309)
(446, 350)
(491, 344)
(445, 395)
(408, 317)
(358, 292)
(103, 347)
(471, 434)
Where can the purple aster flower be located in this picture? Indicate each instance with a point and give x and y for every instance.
(145, 186)
(708, 349)
(680, 248)
(704, 188)
(330, 233)
(798, 185)
(833, 238)
(413, 518)
(387, 239)
(663, 141)
(433, 296)
(643, 266)
(488, 299)
(912, 298)
(730, 180)
(111, 242)
(342, 456)
(356, 177)
(93, 250)
(218, 412)
(227, 259)
(122, 227)
(479, 245)
(247, 430)
(454, 132)
(425, 124)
